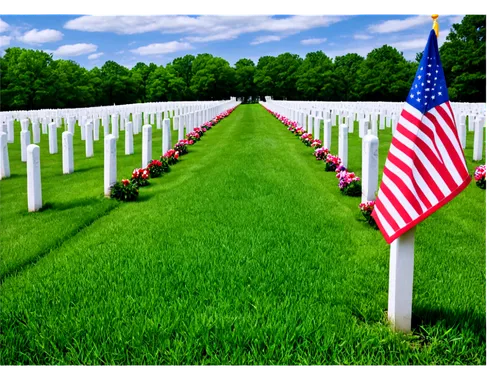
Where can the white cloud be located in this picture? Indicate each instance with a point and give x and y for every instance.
(362, 51)
(4, 40)
(95, 55)
(202, 28)
(265, 39)
(362, 36)
(162, 48)
(78, 49)
(392, 26)
(4, 26)
(411, 44)
(308, 42)
(38, 37)
(455, 19)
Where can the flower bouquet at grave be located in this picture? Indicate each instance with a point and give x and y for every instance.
(480, 176)
(299, 131)
(169, 158)
(199, 131)
(316, 143)
(207, 126)
(181, 146)
(321, 153)
(140, 177)
(155, 168)
(124, 191)
(193, 136)
(366, 209)
(292, 128)
(306, 139)
(349, 183)
(332, 162)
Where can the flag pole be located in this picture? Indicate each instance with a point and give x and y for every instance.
(401, 270)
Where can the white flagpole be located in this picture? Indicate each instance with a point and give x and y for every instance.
(401, 270)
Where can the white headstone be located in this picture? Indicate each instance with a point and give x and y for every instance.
(343, 144)
(147, 144)
(327, 133)
(96, 129)
(67, 146)
(52, 138)
(129, 138)
(181, 128)
(109, 163)
(36, 132)
(89, 141)
(4, 157)
(34, 178)
(363, 127)
(462, 134)
(350, 123)
(478, 140)
(114, 126)
(158, 120)
(25, 142)
(10, 131)
(369, 179)
(166, 138)
(317, 127)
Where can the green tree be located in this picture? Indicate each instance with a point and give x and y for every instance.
(244, 75)
(117, 84)
(315, 77)
(264, 76)
(285, 70)
(25, 77)
(345, 70)
(463, 56)
(184, 68)
(385, 75)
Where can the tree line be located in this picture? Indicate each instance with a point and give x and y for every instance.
(32, 79)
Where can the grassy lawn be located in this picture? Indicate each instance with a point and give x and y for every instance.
(245, 253)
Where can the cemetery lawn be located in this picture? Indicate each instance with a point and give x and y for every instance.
(244, 253)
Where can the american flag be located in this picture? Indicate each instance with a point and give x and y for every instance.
(425, 167)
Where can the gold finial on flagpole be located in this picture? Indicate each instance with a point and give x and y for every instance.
(435, 25)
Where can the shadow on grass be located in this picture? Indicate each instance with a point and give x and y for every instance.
(449, 319)
(61, 206)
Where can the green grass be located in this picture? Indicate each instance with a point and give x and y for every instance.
(245, 253)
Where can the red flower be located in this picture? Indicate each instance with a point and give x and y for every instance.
(176, 155)
(125, 182)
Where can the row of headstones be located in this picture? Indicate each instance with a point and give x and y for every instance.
(369, 122)
(110, 165)
(49, 115)
(90, 131)
(369, 178)
(386, 108)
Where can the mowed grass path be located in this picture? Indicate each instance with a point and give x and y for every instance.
(246, 253)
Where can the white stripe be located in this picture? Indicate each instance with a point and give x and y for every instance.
(384, 222)
(446, 159)
(415, 112)
(451, 136)
(390, 208)
(420, 134)
(418, 178)
(427, 164)
(400, 197)
(407, 181)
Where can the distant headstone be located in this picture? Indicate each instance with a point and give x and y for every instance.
(327, 133)
(34, 178)
(478, 139)
(67, 146)
(369, 179)
(166, 138)
(4, 157)
(109, 163)
(147, 139)
(114, 126)
(343, 144)
(10, 131)
(129, 138)
(25, 142)
(89, 141)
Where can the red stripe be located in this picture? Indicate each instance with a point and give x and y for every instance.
(409, 172)
(426, 214)
(422, 127)
(422, 170)
(431, 156)
(395, 202)
(457, 155)
(410, 197)
(383, 229)
(451, 111)
(387, 216)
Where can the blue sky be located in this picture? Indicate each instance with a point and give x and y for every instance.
(92, 40)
